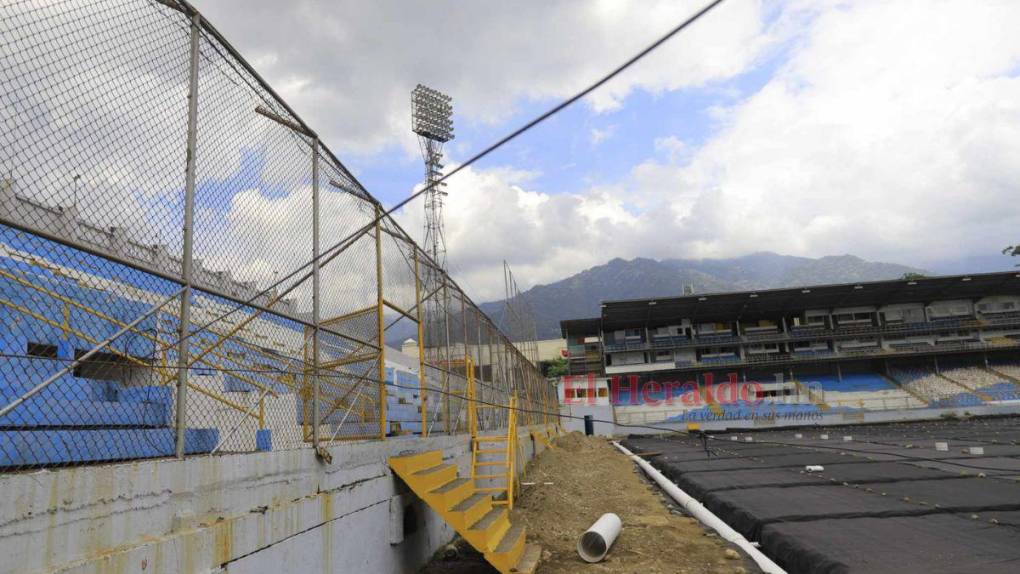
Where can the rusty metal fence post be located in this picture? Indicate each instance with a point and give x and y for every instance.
(316, 299)
(420, 314)
(187, 260)
(380, 322)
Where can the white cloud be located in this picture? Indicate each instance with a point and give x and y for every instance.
(673, 147)
(891, 132)
(492, 216)
(597, 136)
(349, 67)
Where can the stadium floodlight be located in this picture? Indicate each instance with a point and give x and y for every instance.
(432, 120)
(431, 114)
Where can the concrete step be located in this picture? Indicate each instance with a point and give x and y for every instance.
(470, 510)
(38, 412)
(451, 493)
(509, 549)
(489, 530)
(528, 562)
(412, 463)
(432, 478)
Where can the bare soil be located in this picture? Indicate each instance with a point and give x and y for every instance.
(578, 481)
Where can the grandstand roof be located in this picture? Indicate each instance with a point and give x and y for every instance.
(769, 303)
(580, 327)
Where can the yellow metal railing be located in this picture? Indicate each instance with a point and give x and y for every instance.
(66, 329)
(511, 455)
(114, 351)
(213, 356)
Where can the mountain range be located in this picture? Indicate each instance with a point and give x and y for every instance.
(580, 295)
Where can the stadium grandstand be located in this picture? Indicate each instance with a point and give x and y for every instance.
(899, 345)
(118, 405)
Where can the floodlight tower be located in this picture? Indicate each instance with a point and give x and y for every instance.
(432, 120)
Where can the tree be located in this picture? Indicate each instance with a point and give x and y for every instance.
(556, 367)
(911, 276)
(1012, 251)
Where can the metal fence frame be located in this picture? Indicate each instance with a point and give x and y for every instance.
(342, 369)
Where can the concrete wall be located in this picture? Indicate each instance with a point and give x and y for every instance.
(264, 512)
(851, 418)
(573, 419)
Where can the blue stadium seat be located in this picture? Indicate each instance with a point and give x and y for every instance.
(851, 383)
(1002, 391)
(42, 447)
(958, 400)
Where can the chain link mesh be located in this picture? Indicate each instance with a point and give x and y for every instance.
(276, 353)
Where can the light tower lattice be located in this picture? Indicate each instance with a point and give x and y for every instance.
(432, 121)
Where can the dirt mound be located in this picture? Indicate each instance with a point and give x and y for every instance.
(585, 477)
(567, 488)
(576, 442)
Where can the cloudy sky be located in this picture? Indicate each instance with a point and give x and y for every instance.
(885, 129)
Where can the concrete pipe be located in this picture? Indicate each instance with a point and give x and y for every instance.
(596, 542)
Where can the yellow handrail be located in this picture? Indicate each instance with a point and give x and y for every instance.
(511, 455)
(472, 407)
(99, 314)
(113, 350)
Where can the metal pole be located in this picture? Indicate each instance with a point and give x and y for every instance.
(340, 425)
(383, 427)
(467, 356)
(420, 312)
(189, 234)
(464, 325)
(478, 355)
(244, 416)
(446, 367)
(316, 264)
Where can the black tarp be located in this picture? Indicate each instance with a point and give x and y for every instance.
(936, 544)
(999, 466)
(1007, 518)
(964, 494)
(793, 460)
(697, 484)
(951, 520)
(747, 510)
(876, 472)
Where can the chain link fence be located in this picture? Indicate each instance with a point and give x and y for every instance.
(186, 269)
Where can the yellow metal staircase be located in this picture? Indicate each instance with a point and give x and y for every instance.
(494, 460)
(543, 437)
(471, 511)
(480, 514)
